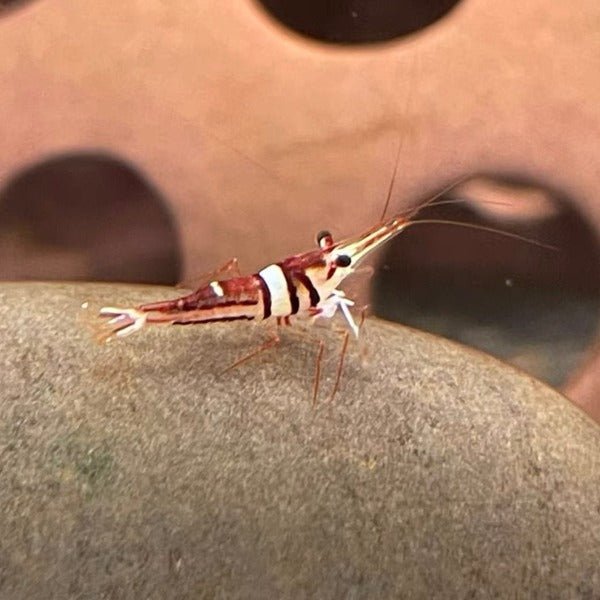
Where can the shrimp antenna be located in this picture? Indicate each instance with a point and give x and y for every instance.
(465, 201)
(393, 179)
(507, 234)
(433, 200)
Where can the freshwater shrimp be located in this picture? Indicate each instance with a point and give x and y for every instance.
(303, 286)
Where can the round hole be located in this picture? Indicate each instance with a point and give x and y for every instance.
(357, 21)
(533, 307)
(9, 5)
(86, 216)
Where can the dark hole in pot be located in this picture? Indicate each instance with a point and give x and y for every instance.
(8, 5)
(533, 307)
(357, 21)
(86, 216)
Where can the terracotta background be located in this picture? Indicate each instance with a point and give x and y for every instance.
(255, 138)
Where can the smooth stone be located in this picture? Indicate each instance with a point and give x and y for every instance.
(137, 470)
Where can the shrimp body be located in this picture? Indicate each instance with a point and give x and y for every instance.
(302, 286)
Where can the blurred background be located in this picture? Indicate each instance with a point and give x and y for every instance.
(150, 142)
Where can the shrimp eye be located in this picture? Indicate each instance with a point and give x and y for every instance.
(324, 239)
(343, 260)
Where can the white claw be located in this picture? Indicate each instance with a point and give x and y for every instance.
(349, 318)
(337, 300)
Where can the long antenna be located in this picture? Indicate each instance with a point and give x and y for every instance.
(507, 234)
(431, 201)
(401, 138)
(393, 179)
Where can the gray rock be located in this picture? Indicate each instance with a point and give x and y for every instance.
(135, 470)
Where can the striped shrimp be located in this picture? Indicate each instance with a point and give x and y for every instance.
(303, 286)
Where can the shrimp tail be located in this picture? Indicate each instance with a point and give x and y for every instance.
(123, 321)
(110, 322)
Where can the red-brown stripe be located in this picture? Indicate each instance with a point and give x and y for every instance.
(266, 296)
(304, 279)
(214, 320)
